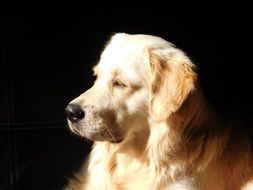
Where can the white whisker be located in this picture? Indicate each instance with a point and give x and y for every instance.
(111, 133)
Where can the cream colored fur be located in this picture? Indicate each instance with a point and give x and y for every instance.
(152, 126)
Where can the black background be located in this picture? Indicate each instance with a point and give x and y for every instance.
(45, 63)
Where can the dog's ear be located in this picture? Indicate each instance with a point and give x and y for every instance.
(172, 79)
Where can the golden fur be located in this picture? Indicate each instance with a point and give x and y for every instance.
(152, 126)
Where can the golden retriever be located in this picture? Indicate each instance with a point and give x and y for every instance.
(151, 125)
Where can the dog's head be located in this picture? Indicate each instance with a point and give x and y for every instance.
(139, 77)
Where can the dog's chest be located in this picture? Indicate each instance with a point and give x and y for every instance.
(136, 175)
(132, 174)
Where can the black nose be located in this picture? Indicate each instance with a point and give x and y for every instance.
(74, 112)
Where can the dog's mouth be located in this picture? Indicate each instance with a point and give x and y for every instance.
(95, 133)
(116, 141)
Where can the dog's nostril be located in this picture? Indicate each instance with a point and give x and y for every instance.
(74, 112)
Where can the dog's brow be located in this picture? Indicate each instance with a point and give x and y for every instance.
(115, 73)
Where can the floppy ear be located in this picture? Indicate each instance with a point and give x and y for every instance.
(172, 79)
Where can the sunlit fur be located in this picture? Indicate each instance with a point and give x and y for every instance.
(152, 126)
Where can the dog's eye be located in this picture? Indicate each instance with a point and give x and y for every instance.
(118, 84)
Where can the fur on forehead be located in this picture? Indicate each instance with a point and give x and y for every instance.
(122, 55)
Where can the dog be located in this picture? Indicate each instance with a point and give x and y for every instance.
(152, 126)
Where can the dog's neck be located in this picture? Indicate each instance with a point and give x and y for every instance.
(192, 134)
(204, 137)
